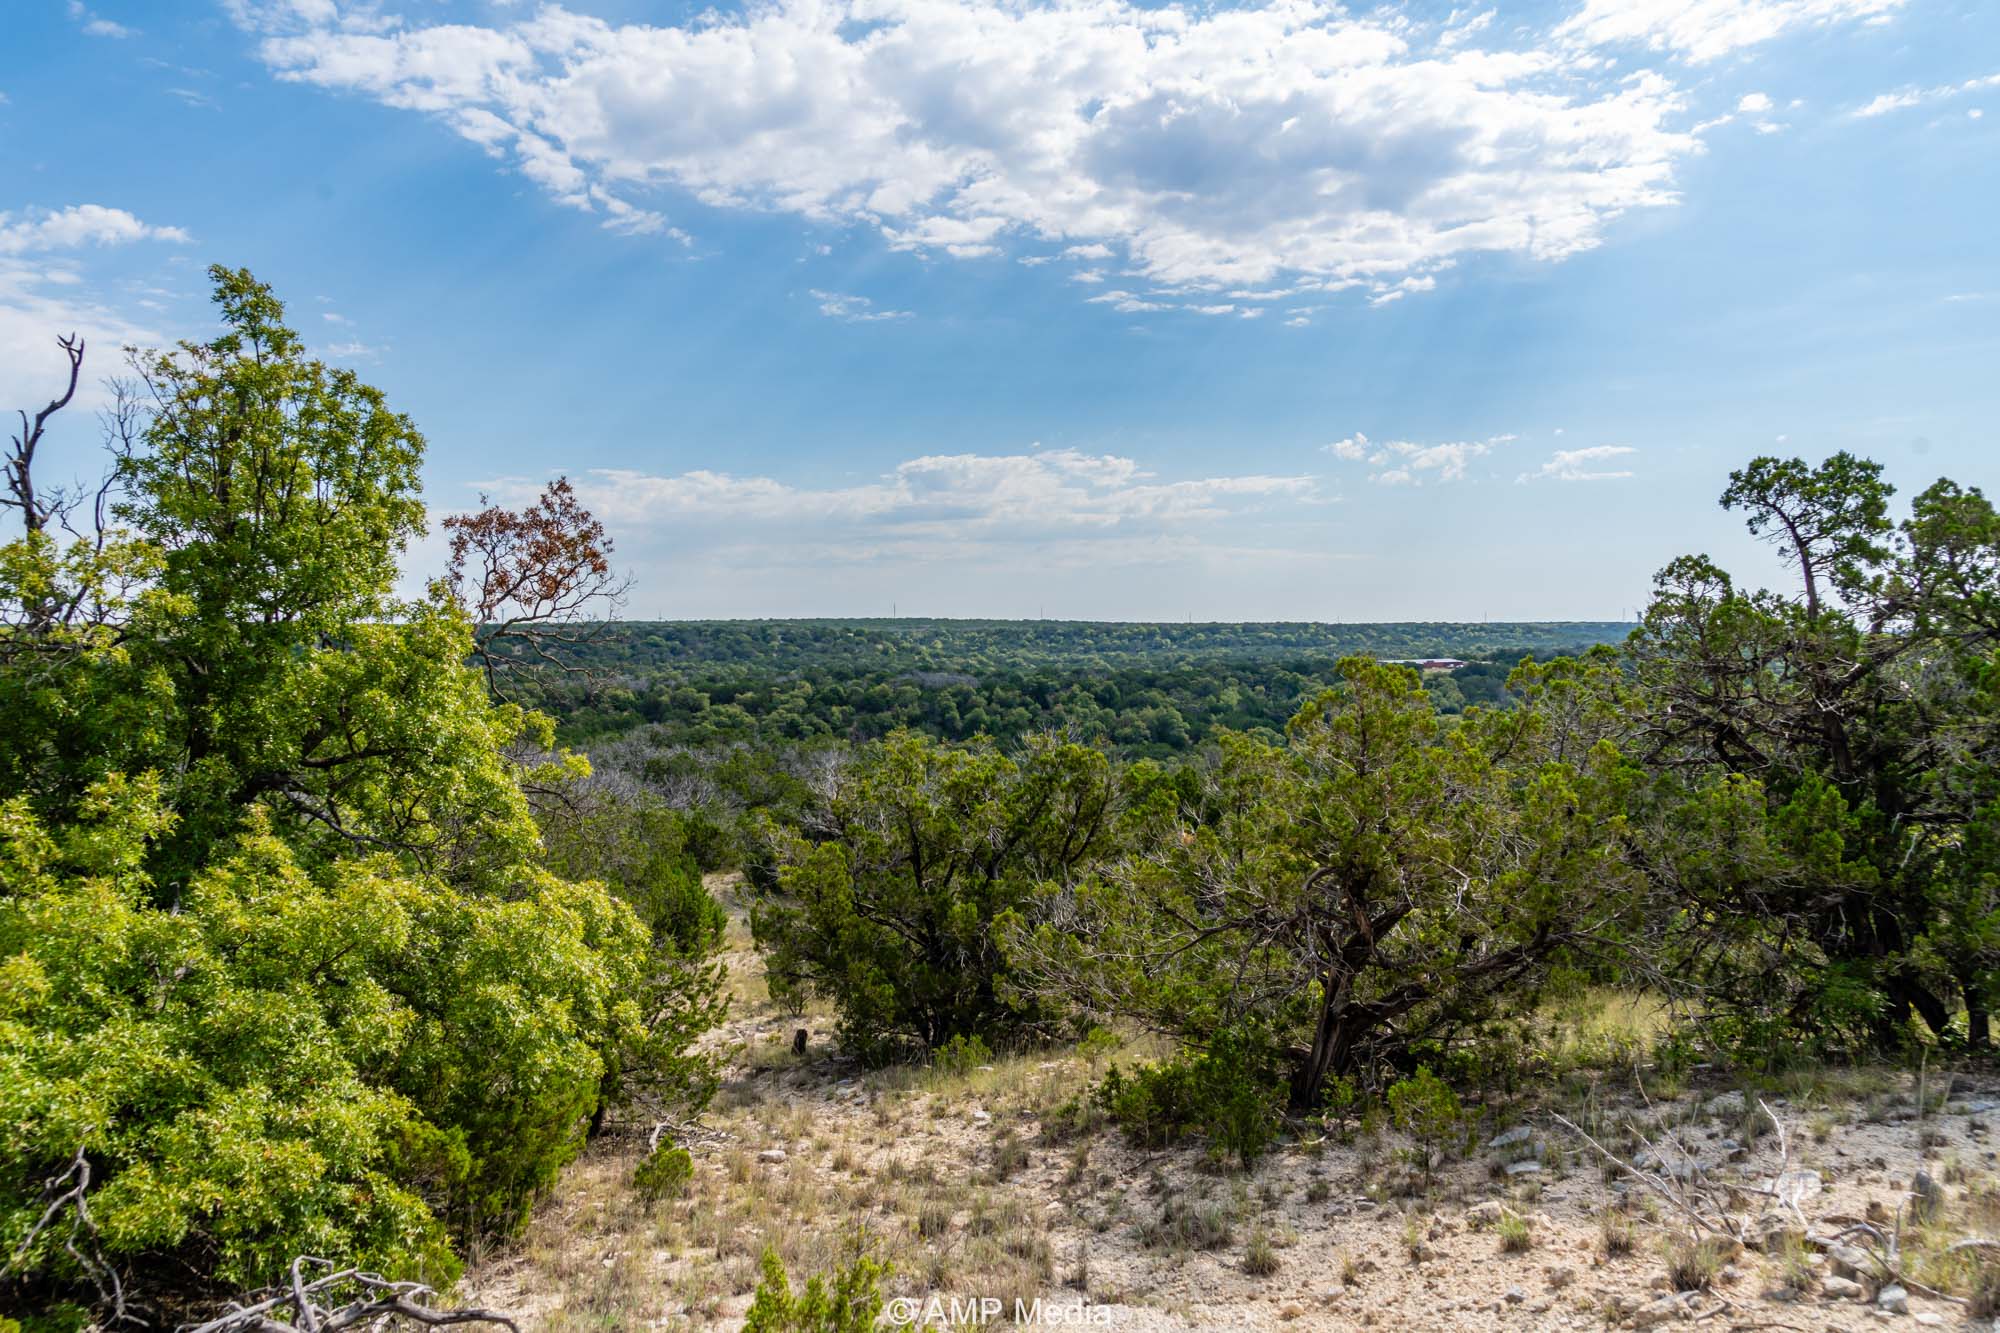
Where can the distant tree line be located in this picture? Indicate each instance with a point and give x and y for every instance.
(1137, 707)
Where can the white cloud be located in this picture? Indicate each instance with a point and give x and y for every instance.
(1583, 464)
(1292, 142)
(1049, 506)
(40, 303)
(1909, 97)
(1127, 303)
(1754, 104)
(43, 295)
(93, 26)
(1701, 30)
(853, 309)
(1403, 463)
(39, 230)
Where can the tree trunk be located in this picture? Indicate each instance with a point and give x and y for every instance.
(1332, 1050)
(1978, 1033)
(1908, 993)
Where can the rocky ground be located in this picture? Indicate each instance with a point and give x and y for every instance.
(987, 1188)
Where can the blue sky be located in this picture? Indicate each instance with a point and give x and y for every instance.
(1289, 311)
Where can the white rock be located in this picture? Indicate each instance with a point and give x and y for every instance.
(1840, 1289)
(1527, 1168)
(1659, 1312)
(1519, 1134)
(1893, 1299)
(773, 1155)
(1797, 1186)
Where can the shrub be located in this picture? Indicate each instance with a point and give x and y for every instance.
(1423, 1107)
(665, 1172)
(961, 1055)
(1374, 884)
(850, 1304)
(1516, 1235)
(1260, 1256)
(1185, 1224)
(1223, 1092)
(1693, 1262)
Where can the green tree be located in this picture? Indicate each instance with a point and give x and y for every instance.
(282, 961)
(1855, 713)
(1377, 884)
(886, 902)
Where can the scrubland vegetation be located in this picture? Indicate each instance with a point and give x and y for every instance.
(1655, 982)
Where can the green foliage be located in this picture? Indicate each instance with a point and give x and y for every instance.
(1228, 1093)
(849, 1304)
(280, 954)
(1424, 1107)
(892, 915)
(1380, 881)
(961, 1055)
(663, 1173)
(1824, 779)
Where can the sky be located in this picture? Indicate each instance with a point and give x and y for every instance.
(1086, 309)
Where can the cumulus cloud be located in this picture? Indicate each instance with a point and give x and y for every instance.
(1292, 143)
(39, 230)
(1403, 463)
(1582, 464)
(1702, 30)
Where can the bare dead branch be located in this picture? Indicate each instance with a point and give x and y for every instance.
(365, 1298)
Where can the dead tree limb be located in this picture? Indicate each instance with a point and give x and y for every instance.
(366, 1298)
(36, 512)
(69, 1191)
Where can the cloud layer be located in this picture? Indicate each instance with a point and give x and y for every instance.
(957, 498)
(1290, 144)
